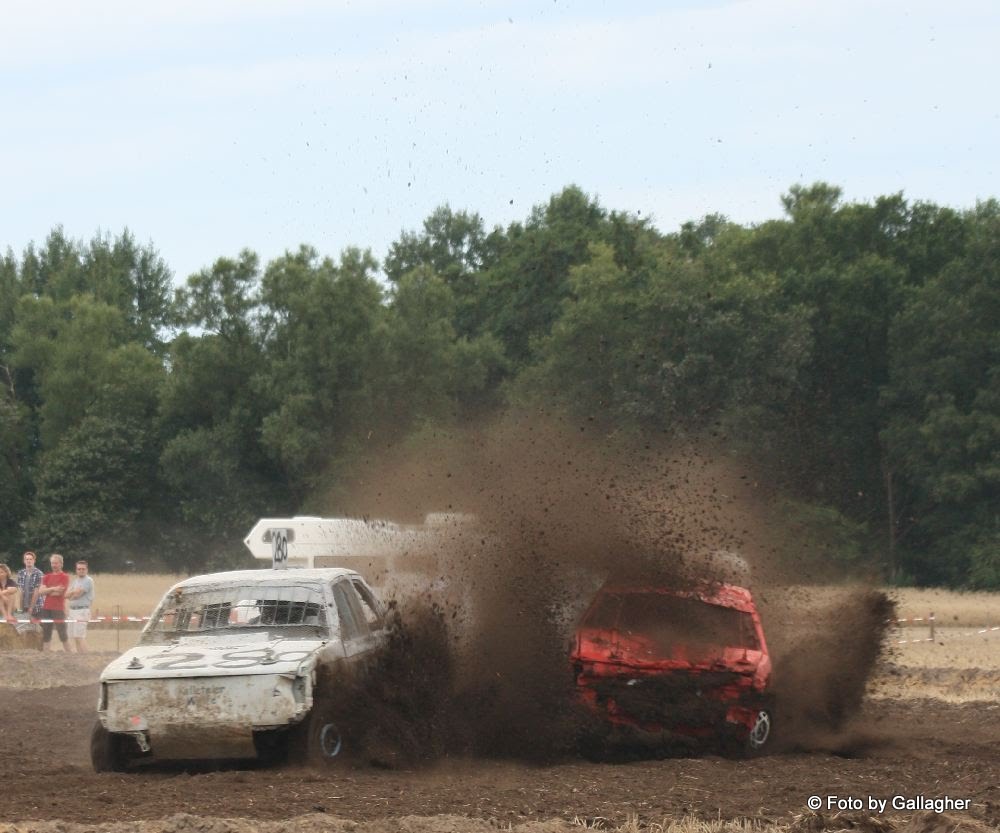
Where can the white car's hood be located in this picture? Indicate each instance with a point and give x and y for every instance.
(219, 655)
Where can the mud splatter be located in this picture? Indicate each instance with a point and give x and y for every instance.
(558, 512)
(821, 677)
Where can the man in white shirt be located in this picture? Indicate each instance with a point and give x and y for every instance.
(79, 598)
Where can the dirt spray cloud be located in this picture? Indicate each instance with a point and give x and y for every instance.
(478, 663)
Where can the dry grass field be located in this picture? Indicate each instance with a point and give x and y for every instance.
(960, 665)
(133, 594)
(124, 594)
(949, 608)
(924, 822)
(965, 630)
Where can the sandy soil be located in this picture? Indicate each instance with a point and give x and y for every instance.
(906, 747)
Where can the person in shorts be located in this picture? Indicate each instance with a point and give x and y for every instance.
(52, 594)
(79, 598)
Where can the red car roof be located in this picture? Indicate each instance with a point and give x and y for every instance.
(723, 595)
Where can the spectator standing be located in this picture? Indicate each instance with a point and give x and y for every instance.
(79, 598)
(8, 593)
(29, 580)
(52, 594)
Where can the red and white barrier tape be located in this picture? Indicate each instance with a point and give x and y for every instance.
(929, 619)
(97, 619)
(37, 621)
(949, 636)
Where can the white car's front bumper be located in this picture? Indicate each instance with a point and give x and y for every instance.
(203, 717)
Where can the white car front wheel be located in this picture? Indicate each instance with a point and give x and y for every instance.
(109, 752)
(318, 740)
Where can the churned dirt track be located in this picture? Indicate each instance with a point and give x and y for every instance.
(556, 518)
(897, 747)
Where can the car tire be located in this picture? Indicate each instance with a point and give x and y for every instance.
(319, 739)
(108, 751)
(761, 735)
(272, 746)
(594, 743)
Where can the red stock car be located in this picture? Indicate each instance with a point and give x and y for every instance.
(658, 666)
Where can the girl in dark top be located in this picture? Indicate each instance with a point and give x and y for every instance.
(8, 593)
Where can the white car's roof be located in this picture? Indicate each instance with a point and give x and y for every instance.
(316, 575)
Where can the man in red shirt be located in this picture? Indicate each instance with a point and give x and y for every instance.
(53, 591)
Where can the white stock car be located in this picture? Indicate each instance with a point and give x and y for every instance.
(239, 664)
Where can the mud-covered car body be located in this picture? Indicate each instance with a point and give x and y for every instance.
(663, 664)
(230, 664)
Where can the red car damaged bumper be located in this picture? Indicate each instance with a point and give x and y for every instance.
(665, 662)
(691, 702)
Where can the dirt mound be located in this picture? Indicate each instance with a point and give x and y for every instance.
(919, 822)
(953, 685)
(321, 823)
(312, 823)
(37, 669)
(928, 822)
(821, 822)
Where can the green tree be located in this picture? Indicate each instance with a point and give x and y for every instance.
(521, 294)
(439, 374)
(210, 413)
(225, 299)
(68, 314)
(670, 348)
(15, 455)
(92, 488)
(134, 279)
(851, 266)
(325, 358)
(943, 434)
(10, 291)
(67, 345)
(455, 246)
(96, 468)
(56, 270)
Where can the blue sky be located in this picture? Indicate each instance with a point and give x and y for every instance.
(206, 127)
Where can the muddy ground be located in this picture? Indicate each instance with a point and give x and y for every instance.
(557, 516)
(906, 747)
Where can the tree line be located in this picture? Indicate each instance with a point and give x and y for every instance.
(851, 351)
